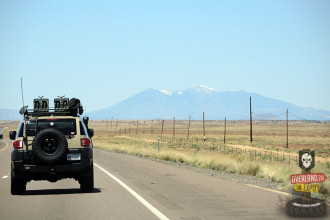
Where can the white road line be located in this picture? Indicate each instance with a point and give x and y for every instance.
(4, 177)
(137, 196)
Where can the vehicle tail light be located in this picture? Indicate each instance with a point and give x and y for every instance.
(18, 144)
(85, 141)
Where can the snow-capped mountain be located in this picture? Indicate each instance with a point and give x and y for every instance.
(201, 89)
(165, 104)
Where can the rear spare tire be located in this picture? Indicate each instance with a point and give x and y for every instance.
(49, 146)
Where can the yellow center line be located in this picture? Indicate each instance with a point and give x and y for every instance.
(271, 190)
(4, 147)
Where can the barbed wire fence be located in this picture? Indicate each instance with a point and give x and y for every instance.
(174, 133)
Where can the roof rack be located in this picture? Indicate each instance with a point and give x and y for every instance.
(63, 107)
(51, 112)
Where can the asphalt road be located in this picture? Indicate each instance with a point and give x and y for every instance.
(128, 187)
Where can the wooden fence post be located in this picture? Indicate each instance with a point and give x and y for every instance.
(250, 121)
(224, 133)
(188, 127)
(162, 127)
(173, 127)
(116, 126)
(204, 127)
(144, 126)
(287, 129)
(271, 156)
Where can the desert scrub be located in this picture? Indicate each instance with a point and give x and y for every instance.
(216, 160)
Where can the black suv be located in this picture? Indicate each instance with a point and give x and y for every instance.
(52, 144)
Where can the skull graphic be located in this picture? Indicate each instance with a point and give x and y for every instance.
(306, 160)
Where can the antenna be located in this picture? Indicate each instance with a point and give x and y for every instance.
(22, 91)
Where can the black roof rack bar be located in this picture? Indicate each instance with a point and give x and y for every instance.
(33, 113)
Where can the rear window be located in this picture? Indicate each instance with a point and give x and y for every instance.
(66, 126)
(20, 130)
(83, 130)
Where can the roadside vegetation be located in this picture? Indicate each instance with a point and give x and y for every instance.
(265, 157)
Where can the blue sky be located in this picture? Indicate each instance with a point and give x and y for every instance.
(106, 51)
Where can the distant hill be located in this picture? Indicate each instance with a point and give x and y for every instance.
(164, 104)
(10, 115)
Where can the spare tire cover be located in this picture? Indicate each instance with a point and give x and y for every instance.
(49, 145)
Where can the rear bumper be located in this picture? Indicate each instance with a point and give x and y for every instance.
(70, 169)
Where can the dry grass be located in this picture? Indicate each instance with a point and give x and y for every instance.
(214, 160)
(270, 135)
(8, 126)
(140, 138)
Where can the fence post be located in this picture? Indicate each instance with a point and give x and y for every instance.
(271, 156)
(173, 127)
(116, 126)
(224, 132)
(188, 127)
(250, 121)
(204, 127)
(162, 128)
(287, 129)
(144, 126)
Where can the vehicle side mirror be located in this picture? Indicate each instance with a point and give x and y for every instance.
(12, 135)
(90, 132)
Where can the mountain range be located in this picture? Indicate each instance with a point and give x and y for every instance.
(165, 104)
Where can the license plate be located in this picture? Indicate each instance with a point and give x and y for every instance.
(73, 156)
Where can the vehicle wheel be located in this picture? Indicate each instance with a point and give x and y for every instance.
(49, 145)
(313, 208)
(18, 185)
(87, 182)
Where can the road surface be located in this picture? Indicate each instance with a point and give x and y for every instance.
(128, 187)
